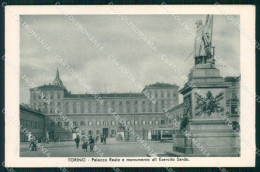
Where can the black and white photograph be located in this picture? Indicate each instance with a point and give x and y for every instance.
(126, 87)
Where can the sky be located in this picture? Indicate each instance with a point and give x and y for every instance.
(169, 37)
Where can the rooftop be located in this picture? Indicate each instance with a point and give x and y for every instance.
(104, 95)
(176, 107)
(49, 86)
(27, 108)
(232, 79)
(161, 85)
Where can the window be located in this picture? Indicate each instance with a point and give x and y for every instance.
(143, 122)
(52, 95)
(234, 109)
(89, 107)
(113, 123)
(162, 122)
(59, 124)
(74, 107)
(113, 105)
(162, 105)
(113, 131)
(136, 122)
(98, 108)
(150, 122)
(162, 94)
(82, 123)
(81, 107)
(136, 106)
(150, 107)
(128, 122)
(234, 96)
(156, 95)
(67, 107)
(228, 109)
(66, 123)
(174, 94)
(90, 123)
(45, 109)
(90, 132)
(98, 122)
(97, 132)
(156, 107)
(52, 124)
(51, 107)
(75, 123)
(105, 123)
(58, 95)
(128, 107)
(168, 94)
(235, 126)
(105, 107)
(120, 107)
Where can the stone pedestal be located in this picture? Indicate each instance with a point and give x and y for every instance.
(205, 133)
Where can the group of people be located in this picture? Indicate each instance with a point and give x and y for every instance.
(33, 143)
(88, 142)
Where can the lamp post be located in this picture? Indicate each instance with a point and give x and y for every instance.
(128, 134)
(143, 133)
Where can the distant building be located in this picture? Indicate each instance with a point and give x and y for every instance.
(92, 113)
(32, 121)
(233, 98)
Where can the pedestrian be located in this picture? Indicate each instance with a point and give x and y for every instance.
(96, 139)
(84, 144)
(91, 143)
(105, 139)
(77, 140)
(34, 144)
(31, 143)
(101, 138)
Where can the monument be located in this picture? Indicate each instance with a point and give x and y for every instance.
(203, 132)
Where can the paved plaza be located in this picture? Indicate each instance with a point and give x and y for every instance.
(111, 149)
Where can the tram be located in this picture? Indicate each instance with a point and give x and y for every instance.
(162, 134)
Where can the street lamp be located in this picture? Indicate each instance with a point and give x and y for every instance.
(143, 133)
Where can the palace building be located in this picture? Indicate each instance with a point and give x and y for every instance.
(93, 117)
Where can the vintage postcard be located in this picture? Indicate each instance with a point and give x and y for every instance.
(130, 86)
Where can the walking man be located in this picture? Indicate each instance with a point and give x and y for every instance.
(77, 140)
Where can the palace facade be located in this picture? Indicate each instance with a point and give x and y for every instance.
(92, 116)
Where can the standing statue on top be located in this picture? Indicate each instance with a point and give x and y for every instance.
(204, 52)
